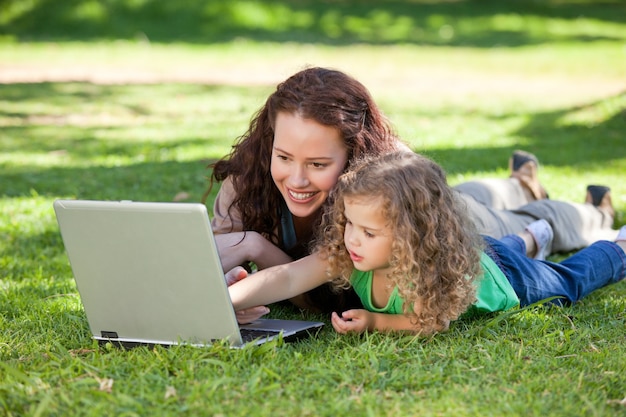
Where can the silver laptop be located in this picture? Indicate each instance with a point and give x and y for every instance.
(149, 273)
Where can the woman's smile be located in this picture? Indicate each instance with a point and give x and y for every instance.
(301, 197)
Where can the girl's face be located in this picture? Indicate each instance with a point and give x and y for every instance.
(307, 159)
(368, 237)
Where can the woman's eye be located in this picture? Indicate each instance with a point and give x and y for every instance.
(318, 165)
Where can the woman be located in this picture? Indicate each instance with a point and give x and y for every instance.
(278, 176)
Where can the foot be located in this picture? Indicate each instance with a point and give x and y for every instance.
(600, 197)
(542, 233)
(524, 167)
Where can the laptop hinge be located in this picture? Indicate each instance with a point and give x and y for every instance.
(108, 335)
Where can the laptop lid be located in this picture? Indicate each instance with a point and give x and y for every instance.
(149, 273)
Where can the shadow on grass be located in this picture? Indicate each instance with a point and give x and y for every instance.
(149, 181)
(83, 144)
(588, 143)
(479, 23)
(31, 100)
(591, 139)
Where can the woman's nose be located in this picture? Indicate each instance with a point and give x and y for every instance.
(298, 177)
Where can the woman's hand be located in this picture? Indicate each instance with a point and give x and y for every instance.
(251, 314)
(236, 274)
(247, 315)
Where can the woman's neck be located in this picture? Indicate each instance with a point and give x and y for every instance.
(303, 226)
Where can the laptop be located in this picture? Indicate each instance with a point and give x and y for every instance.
(149, 274)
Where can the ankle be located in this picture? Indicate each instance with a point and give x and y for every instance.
(542, 233)
(530, 243)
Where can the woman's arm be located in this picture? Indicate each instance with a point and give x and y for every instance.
(279, 282)
(239, 247)
(234, 246)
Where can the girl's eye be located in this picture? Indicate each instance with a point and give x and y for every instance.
(318, 165)
(368, 234)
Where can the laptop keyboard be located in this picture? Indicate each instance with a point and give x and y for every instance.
(248, 335)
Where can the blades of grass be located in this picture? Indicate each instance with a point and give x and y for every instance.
(507, 314)
(17, 374)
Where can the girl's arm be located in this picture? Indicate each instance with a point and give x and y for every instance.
(359, 321)
(279, 283)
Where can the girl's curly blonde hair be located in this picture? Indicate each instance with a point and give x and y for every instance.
(436, 250)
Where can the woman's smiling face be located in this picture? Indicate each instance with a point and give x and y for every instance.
(307, 159)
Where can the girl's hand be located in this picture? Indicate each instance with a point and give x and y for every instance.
(247, 315)
(356, 321)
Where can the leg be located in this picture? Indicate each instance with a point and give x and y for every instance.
(575, 225)
(493, 222)
(497, 193)
(522, 186)
(600, 264)
(500, 207)
(517, 244)
(535, 241)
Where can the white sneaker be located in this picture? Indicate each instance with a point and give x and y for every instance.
(542, 232)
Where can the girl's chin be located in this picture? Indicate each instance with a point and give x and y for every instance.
(359, 266)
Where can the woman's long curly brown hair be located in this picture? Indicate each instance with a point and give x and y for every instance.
(327, 96)
(436, 250)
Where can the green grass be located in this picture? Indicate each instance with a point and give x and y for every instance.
(548, 77)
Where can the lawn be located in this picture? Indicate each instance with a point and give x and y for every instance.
(131, 99)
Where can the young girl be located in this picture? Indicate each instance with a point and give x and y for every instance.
(399, 235)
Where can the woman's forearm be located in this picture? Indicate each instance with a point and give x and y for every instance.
(239, 247)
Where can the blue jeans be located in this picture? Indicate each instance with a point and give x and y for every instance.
(594, 267)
